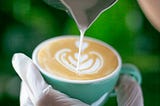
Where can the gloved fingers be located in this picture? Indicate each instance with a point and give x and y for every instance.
(123, 79)
(30, 75)
(129, 92)
(53, 97)
(24, 97)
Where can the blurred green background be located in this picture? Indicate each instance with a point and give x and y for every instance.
(25, 23)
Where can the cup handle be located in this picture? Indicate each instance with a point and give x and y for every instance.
(131, 70)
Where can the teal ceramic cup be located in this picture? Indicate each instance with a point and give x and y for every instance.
(89, 91)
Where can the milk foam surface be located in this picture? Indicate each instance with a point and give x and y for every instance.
(60, 59)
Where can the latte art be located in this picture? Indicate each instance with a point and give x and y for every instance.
(88, 65)
(59, 57)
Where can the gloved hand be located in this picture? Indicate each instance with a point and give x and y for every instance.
(128, 92)
(36, 92)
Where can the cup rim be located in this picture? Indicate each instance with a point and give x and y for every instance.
(36, 50)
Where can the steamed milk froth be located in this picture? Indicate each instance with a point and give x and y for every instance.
(59, 57)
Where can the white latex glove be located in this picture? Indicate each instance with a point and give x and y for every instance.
(36, 92)
(128, 92)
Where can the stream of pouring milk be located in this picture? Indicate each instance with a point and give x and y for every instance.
(85, 12)
(82, 32)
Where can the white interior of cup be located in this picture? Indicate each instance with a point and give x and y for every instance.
(35, 60)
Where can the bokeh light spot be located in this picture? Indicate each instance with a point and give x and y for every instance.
(134, 20)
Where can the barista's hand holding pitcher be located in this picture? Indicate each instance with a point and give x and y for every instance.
(36, 92)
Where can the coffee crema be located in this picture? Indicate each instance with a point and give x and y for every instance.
(59, 58)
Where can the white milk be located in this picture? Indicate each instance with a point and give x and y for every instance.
(82, 31)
